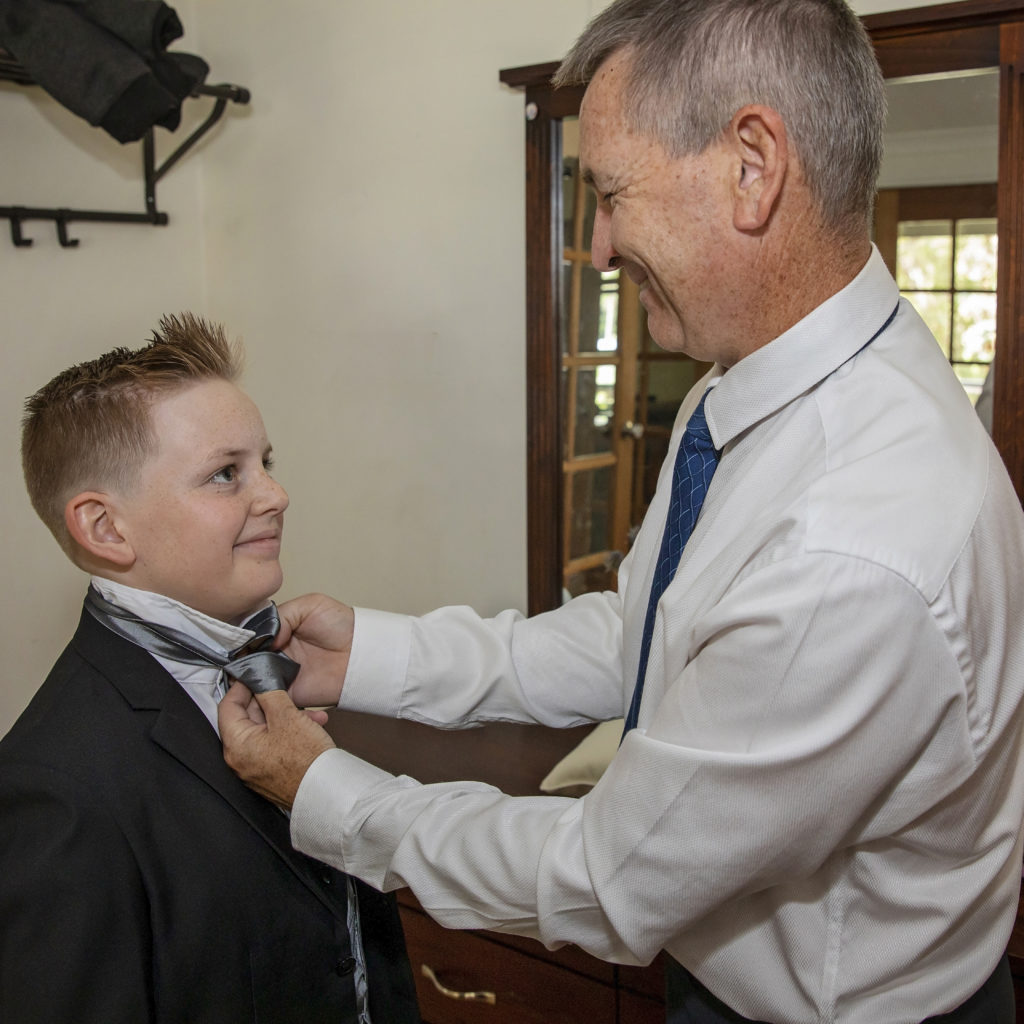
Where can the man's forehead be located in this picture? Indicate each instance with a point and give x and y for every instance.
(605, 134)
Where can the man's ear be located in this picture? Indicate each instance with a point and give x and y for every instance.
(758, 136)
(90, 520)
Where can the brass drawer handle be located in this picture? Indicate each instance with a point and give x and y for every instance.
(467, 997)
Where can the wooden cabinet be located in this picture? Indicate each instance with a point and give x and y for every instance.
(529, 984)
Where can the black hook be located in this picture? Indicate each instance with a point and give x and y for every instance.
(16, 236)
(62, 230)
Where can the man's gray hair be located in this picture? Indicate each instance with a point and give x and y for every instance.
(694, 63)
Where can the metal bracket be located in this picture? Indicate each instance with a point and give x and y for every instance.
(62, 217)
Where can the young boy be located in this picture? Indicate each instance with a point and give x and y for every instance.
(140, 880)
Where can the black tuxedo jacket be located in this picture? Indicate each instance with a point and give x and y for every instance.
(141, 881)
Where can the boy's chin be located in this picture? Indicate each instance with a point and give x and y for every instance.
(253, 605)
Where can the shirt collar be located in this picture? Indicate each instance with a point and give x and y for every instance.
(793, 363)
(165, 611)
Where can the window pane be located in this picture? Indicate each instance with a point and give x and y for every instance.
(570, 168)
(924, 254)
(590, 527)
(563, 315)
(936, 313)
(595, 408)
(599, 311)
(972, 378)
(563, 405)
(976, 244)
(974, 327)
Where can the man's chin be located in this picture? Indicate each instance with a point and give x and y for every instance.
(669, 338)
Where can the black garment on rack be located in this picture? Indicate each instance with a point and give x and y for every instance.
(105, 60)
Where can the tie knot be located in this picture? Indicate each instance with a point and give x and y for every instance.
(255, 663)
(697, 426)
(697, 443)
(265, 625)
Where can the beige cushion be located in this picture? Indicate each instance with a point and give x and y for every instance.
(586, 762)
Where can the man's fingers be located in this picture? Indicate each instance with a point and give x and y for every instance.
(275, 703)
(236, 701)
(284, 632)
(238, 708)
(270, 758)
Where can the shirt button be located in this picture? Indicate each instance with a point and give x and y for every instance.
(345, 966)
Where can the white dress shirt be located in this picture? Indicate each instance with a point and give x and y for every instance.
(819, 814)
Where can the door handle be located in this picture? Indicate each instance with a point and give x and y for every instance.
(469, 997)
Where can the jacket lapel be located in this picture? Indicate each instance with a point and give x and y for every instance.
(183, 732)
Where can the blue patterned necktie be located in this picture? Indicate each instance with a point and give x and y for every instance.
(696, 462)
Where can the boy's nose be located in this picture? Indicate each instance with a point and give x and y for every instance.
(272, 496)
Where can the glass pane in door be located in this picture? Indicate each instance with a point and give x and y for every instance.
(595, 409)
(590, 500)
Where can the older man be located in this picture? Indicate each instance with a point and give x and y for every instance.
(816, 808)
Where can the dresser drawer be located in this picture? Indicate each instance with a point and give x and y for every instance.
(526, 989)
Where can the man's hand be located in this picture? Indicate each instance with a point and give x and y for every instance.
(269, 742)
(317, 631)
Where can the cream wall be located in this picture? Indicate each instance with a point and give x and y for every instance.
(360, 225)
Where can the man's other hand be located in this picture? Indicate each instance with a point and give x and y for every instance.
(316, 631)
(269, 742)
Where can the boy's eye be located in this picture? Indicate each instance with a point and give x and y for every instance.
(268, 462)
(224, 476)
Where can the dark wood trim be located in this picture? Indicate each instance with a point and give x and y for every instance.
(1008, 389)
(938, 202)
(941, 17)
(529, 74)
(543, 306)
(929, 53)
(943, 37)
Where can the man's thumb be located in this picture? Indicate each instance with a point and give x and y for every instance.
(275, 704)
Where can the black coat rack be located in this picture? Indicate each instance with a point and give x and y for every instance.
(12, 71)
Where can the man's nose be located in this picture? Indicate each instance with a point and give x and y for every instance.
(602, 252)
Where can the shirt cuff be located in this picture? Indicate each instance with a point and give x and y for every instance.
(329, 790)
(377, 666)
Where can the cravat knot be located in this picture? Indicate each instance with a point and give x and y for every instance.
(255, 663)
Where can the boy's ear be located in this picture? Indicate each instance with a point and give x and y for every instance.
(90, 520)
(759, 136)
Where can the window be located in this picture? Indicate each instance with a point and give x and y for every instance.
(942, 245)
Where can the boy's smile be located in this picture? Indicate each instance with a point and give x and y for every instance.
(205, 517)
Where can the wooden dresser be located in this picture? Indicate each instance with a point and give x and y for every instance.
(529, 984)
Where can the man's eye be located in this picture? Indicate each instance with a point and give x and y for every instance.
(224, 476)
